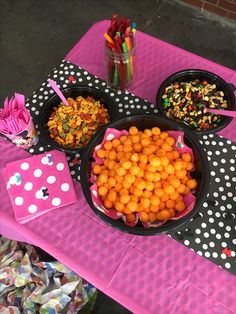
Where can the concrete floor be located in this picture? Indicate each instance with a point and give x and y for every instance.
(36, 35)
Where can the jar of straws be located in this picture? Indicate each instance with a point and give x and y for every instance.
(120, 47)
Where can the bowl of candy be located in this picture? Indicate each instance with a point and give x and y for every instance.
(144, 175)
(185, 96)
(70, 128)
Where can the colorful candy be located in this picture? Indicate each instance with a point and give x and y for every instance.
(187, 102)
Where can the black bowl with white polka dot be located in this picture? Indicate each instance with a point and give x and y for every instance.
(201, 173)
(72, 92)
(202, 75)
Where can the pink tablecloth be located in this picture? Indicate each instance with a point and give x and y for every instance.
(145, 274)
(155, 61)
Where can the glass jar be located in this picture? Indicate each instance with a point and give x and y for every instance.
(120, 68)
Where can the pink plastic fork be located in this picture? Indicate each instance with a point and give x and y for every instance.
(229, 113)
(58, 92)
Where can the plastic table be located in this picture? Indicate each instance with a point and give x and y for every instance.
(145, 274)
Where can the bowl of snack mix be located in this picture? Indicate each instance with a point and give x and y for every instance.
(145, 175)
(70, 128)
(185, 95)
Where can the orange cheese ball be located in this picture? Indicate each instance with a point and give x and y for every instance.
(134, 157)
(149, 186)
(147, 193)
(133, 130)
(163, 215)
(112, 195)
(170, 140)
(180, 174)
(127, 142)
(115, 142)
(143, 173)
(175, 182)
(155, 162)
(137, 147)
(127, 148)
(148, 132)
(145, 142)
(124, 199)
(108, 204)
(130, 218)
(137, 192)
(180, 206)
(154, 208)
(145, 202)
(127, 164)
(156, 131)
(158, 192)
(107, 145)
(144, 216)
(191, 184)
(103, 177)
(96, 169)
(124, 191)
(171, 212)
(119, 206)
(170, 204)
(166, 147)
(132, 206)
(118, 186)
(111, 182)
(135, 138)
(119, 148)
(126, 185)
(121, 171)
(174, 195)
(102, 190)
(134, 199)
(186, 157)
(126, 211)
(101, 153)
(177, 165)
(152, 217)
(155, 200)
(164, 135)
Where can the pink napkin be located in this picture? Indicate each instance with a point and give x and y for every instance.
(39, 184)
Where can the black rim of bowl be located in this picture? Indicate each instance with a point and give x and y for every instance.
(190, 74)
(72, 91)
(170, 225)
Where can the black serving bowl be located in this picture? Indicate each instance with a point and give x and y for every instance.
(201, 174)
(189, 75)
(73, 92)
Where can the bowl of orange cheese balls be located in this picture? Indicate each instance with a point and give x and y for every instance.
(145, 175)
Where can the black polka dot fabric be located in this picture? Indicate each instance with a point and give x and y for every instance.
(212, 231)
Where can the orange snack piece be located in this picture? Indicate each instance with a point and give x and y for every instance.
(101, 153)
(130, 218)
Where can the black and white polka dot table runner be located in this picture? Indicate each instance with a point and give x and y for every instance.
(212, 231)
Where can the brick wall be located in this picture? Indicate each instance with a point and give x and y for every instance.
(226, 8)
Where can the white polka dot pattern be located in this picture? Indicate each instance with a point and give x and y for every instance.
(213, 235)
(32, 209)
(215, 221)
